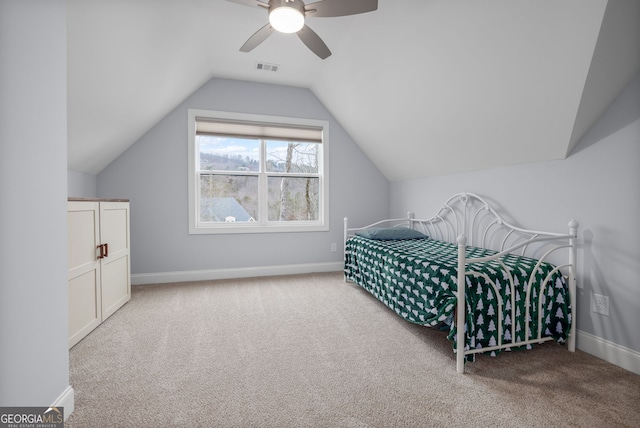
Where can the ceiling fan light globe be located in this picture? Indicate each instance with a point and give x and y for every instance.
(286, 19)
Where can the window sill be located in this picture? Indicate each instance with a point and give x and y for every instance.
(226, 229)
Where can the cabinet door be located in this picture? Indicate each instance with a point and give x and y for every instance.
(85, 298)
(115, 273)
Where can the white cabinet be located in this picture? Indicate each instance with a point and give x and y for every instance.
(99, 263)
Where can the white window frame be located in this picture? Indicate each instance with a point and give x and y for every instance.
(263, 225)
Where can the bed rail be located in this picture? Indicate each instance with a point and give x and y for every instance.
(468, 220)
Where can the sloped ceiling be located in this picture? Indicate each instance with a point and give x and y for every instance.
(424, 87)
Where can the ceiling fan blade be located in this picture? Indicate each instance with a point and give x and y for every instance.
(251, 3)
(257, 38)
(328, 8)
(313, 42)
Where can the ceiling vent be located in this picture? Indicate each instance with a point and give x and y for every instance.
(266, 67)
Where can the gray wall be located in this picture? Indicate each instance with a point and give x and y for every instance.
(597, 185)
(153, 175)
(81, 185)
(34, 357)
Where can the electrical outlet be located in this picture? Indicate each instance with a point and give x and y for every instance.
(600, 304)
(334, 247)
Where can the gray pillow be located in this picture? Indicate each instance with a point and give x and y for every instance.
(390, 233)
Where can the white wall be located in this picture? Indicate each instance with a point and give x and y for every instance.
(34, 358)
(81, 185)
(153, 175)
(597, 185)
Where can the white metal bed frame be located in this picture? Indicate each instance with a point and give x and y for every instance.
(467, 219)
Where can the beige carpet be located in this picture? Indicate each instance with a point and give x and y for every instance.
(313, 351)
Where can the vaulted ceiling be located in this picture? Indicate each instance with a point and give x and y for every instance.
(424, 87)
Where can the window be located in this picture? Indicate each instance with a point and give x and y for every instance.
(253, 173)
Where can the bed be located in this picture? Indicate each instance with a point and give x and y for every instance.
(517, 286)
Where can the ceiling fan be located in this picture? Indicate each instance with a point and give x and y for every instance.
(287, 16)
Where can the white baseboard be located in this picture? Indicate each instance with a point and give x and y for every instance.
(626, 358)
(206, 275)
(67, 401)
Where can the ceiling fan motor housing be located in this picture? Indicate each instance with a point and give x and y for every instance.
(293, 4)
(296, 4)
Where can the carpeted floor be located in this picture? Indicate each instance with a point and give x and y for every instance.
(313, 351)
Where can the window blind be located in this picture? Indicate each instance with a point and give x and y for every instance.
(267, 131)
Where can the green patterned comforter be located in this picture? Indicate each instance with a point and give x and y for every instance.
(418, 279)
